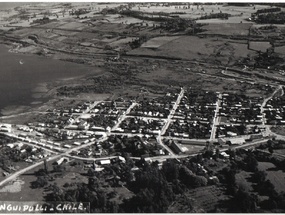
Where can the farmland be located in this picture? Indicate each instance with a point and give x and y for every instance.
(239, 29)
(207, 198)
(259, 46)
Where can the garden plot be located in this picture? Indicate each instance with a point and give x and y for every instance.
(240, 49)
(122, 41)
(25, 32)
(158, 41)
(227, 29)
(207, 198)
(73, 26)
(116, 18)
(259, 46)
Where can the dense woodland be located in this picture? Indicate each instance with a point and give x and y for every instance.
(155, 188)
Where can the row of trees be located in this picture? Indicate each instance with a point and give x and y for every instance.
(268, 10)
(216, 16)
(271, 18)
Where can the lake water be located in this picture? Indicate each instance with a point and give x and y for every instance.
(21, 74)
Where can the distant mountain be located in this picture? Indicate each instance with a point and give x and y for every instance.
(9, 5)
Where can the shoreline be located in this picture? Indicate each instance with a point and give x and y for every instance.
(43, 91)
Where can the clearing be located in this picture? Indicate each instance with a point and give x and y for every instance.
(276, 177)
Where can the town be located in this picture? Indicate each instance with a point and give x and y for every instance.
(142, 107)
(153, 129)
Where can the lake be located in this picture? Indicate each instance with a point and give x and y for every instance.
(21, 75)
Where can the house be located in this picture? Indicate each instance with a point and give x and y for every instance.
(20, 145)
(22, 135)
(56, 144)
(86, 141)
(58, 149)
(222, 141)
(72, 127)
(34, 142)
(49, 146)
(67, 146)
(104, 162)
(119, 159)
(61, 160)
(122, 159)
(147, 159)
(4, 129)
(6, 174)
(77, 143)
(232, 134)
(49, 142)
(10, 145)
(224, 154)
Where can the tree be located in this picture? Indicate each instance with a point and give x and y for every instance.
(190, 179)
(217, 154)
(91, 172)
(152, 192)
(270, 149)
(259, 177)
(266, 188)
(244, 202)
(46, 167)
(29, 149)
(170, 170)
(185, 174)
(40, 172)
(40, 182)
(93, 183)
(229, 179)
(251, 163)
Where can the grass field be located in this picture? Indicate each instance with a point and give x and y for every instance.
(73, 26)
(279, 130)
(280, 151)
(116, 18)
(242, 180)
(280, 50)
(185, 47)
(195, 48)
(193, 149)
(259, 46)
(26, 193)
(277, 178)
(227, 29)
(240, 49)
